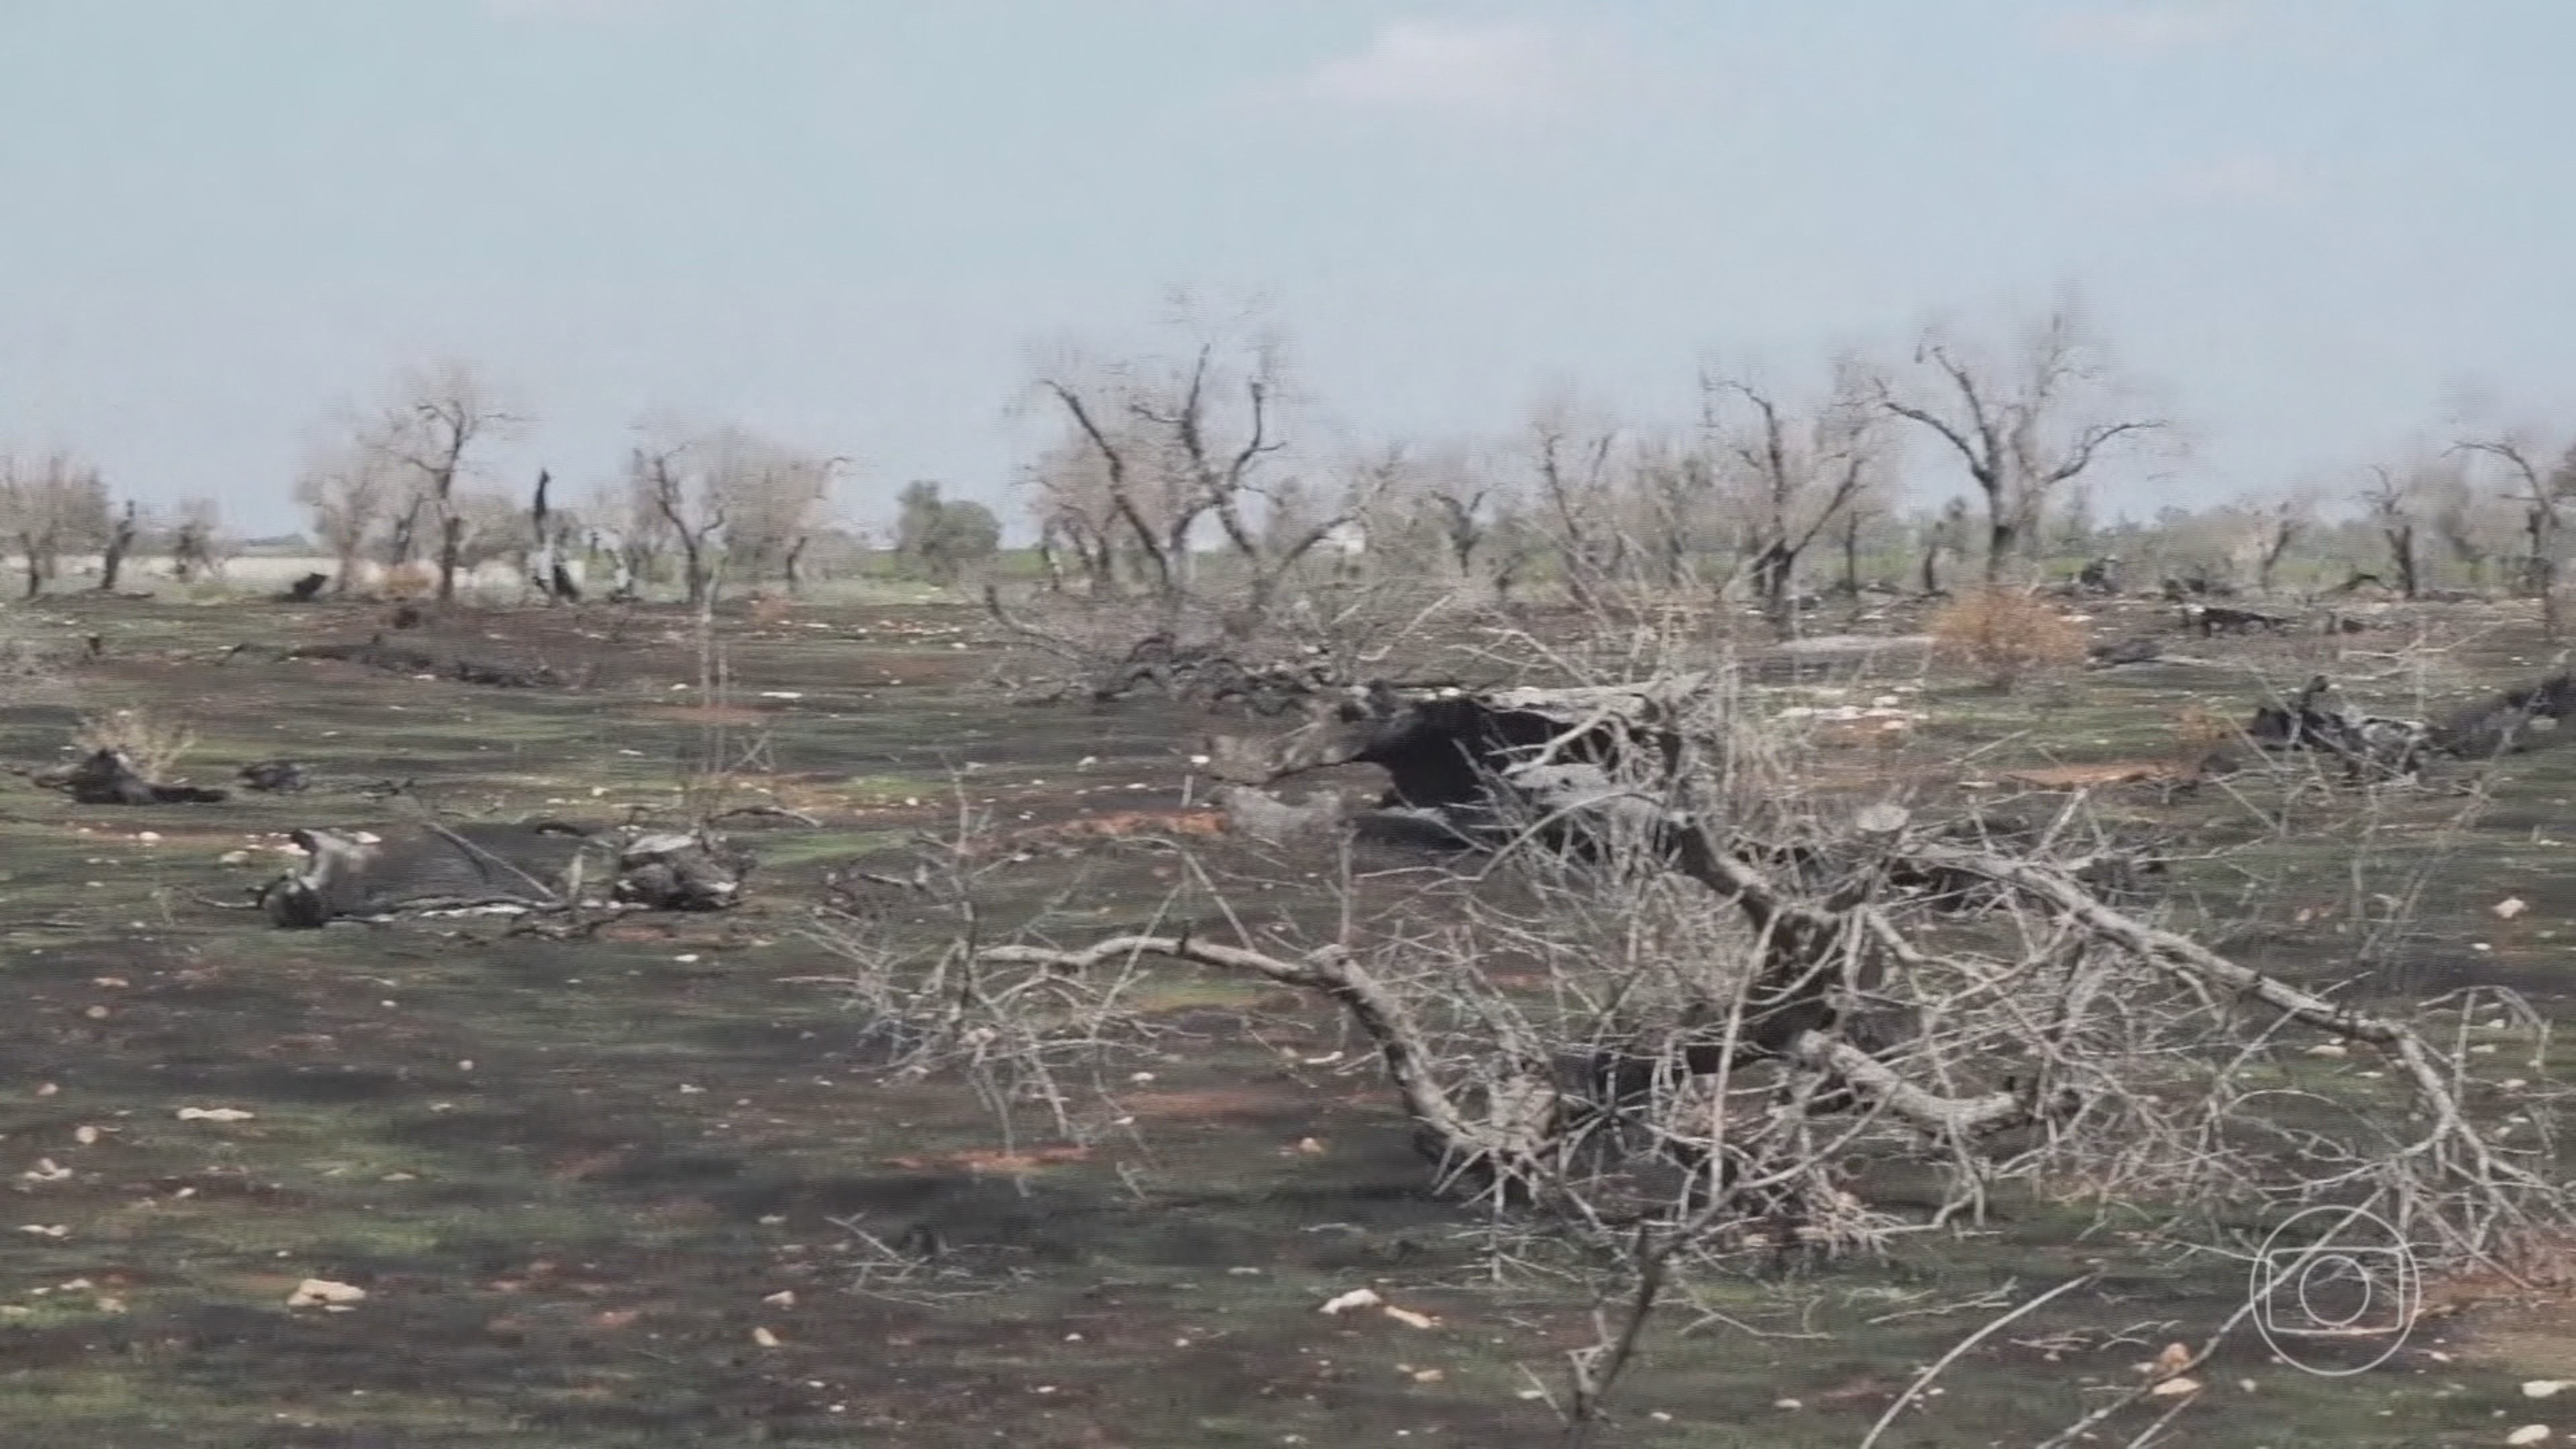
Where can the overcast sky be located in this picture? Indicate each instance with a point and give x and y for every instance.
(2312, 226)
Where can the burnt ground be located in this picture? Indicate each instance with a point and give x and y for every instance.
(637, 1190)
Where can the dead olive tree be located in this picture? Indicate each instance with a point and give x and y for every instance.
(1196, 533)
(629, 524)
(2395, 499)
(49, 507)
(2476, 527)
(1160, 449)
(2023, 424)
(781, 497)
(197, 543)
(1574, 464)
(668, 481)
(2279, 525)
(1792, 472)
(350, 493)
(430, 436)
(122, 532)
(2538, 486)
(726, 498)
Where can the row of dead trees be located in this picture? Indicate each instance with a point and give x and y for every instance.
(1157, 455)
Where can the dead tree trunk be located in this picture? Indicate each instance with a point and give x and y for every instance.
(120, 541)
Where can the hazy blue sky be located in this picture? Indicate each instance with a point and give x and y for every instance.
(845, 221)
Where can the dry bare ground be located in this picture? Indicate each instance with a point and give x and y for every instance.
(1721, 1091)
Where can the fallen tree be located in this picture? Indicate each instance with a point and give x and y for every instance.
(375, 653)
(543, 867)
(2519, 719)
(275, 777)
(1685, 991)
(1104, 652)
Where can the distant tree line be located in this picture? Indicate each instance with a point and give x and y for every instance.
(1188, 463)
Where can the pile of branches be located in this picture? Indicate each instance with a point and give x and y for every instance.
(1683, 990)
(1211, 675)
(1266, 661)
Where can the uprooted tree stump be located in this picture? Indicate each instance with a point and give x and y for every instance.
(275, 777)
(111, 777)
(2317, 719)
(2519, 719)
(425, 867)
(1467, 765)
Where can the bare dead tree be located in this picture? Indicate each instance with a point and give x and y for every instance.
(198, 546)
(1793, 472)
(630, 521)
(1667, 507)
(1074, 512)
(2281, 523)
(1465, 504)
(122, 532)
(781, 496)
(2023, 428)
(482, 525)
(430, 435)
(48, 508)
(349, 494)
(2538, 488)
(2395, 500)
(1158, 447)
(1571, 462)
(1439, 512)
(730, 501)
(675, 489)
(549, 529)
(2476, 527)
(1942, 531)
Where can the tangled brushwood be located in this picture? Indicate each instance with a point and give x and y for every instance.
(1672, 984)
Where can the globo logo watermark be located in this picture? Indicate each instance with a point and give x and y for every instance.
(2335, 1291)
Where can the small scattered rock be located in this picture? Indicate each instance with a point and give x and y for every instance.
(324, 1294)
